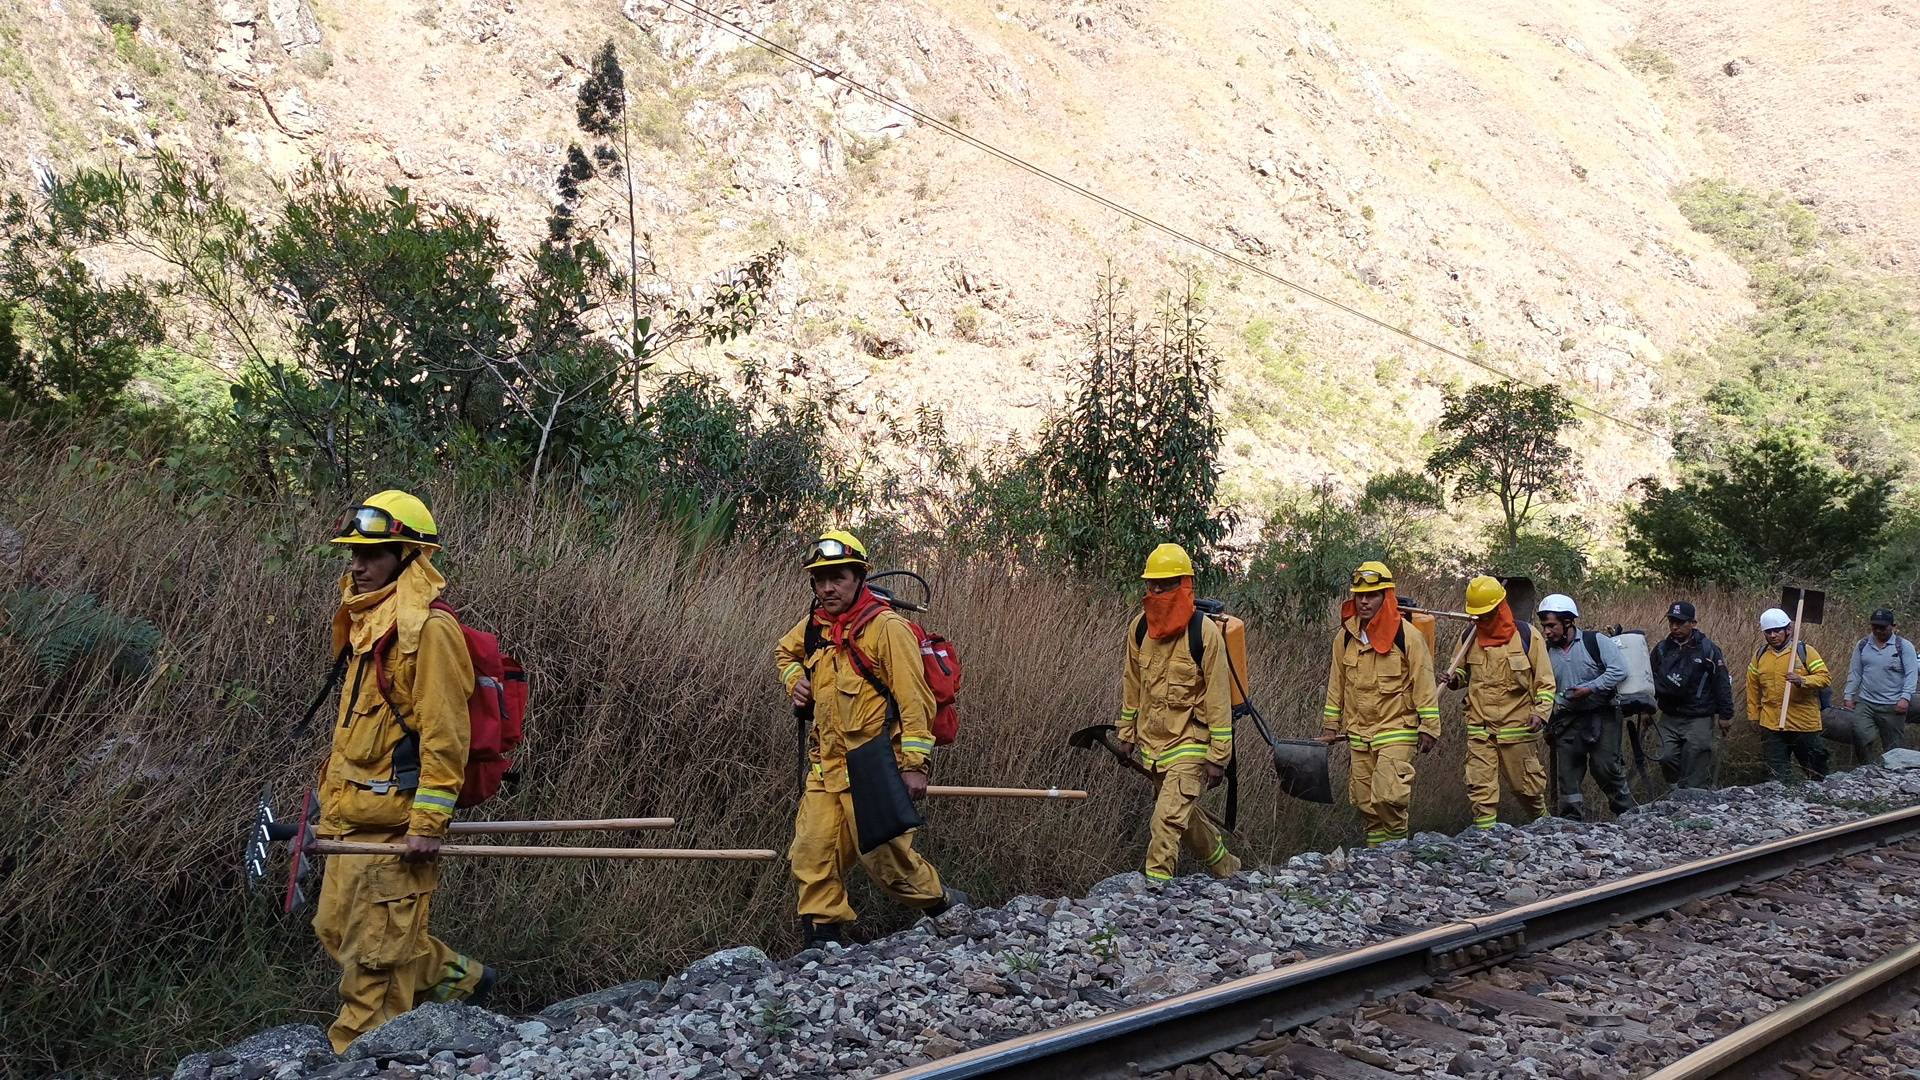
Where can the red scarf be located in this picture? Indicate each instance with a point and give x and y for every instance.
(1497, 631)
(1385, 624)
(1168, 613)
(840, 629)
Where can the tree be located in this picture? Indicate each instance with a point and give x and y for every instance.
(601, 111)
(1504, 439)
(1316, 536)
(83, 336)
(1778, 509)
(1133, 459)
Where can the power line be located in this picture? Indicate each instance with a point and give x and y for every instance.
(820, 70)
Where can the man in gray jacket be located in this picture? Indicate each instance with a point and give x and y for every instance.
(1880, 684)
(1585, 727)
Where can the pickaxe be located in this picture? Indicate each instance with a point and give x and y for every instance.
(1106, 735)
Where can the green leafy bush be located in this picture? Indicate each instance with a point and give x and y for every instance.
(1776, 509)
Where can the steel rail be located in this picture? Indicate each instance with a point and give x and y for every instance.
(1186, 1027)
(1781, 1033)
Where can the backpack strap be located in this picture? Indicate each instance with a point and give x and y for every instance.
(1526, 637)
(1140, 630)
(333, 678)
(1196, 640)
(1593, 648)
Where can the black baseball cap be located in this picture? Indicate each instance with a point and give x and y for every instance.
(1681, 611)
(1883, 617)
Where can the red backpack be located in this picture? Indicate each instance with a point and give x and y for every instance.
(496, 711)
(940, 659)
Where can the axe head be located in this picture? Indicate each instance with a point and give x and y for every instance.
(1091, 736)
(1302, 767)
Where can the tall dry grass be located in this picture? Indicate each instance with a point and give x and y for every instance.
(129, 940)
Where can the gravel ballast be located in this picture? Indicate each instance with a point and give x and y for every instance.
(973, 976)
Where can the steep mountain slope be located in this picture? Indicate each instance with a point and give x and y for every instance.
(1497, 178)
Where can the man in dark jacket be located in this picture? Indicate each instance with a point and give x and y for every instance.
(1693, 689)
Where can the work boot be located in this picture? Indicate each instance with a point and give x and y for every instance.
(482, 990)
(814, 935)
(950, 898)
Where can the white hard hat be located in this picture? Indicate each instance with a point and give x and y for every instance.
(1559, 604)
(1774, 619)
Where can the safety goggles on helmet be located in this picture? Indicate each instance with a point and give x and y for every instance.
(1371, 577)
(825, 549)
(373, 523)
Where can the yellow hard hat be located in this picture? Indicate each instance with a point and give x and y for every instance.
(1167, 561)
(836, 548)
(1484, 594)
(1372, 576)
(391, 517)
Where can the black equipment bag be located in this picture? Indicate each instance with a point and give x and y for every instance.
(881, 808)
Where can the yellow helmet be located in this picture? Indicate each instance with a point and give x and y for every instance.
(1484, 594)
(1167, 561)
(1372, 576)
(391, 517)
(836, 548)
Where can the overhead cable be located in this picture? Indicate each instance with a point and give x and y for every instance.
(820, 70)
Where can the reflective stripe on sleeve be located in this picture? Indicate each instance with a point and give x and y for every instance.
(434, 799)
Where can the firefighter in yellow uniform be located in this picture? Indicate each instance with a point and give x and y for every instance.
(819, 662)
(1177, 716)
(1381, 698)
(399, 757)
(1510, 689)
(1778, 669)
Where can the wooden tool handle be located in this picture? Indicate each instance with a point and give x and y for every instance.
(1793, 654)
(504, 851)
(487, 828)
(1005, 793)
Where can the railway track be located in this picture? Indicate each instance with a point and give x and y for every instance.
(1653, 972)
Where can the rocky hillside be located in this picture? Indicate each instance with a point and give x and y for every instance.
(1497, 177)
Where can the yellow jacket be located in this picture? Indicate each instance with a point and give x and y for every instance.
(847, 710)
(1767, 677)
(1381, 700)
(1508, 687)
(432, 678)
(1172, 710)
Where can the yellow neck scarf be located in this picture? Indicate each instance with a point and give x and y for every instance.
(364, 618)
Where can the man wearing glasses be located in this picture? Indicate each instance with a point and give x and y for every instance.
(1381, 698)
(853, 666)
(1585, 728)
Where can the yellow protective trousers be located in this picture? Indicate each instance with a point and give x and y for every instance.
(824, 849)
(1380, 783)
(372, 920)
(1515, 754)
(1177, 822)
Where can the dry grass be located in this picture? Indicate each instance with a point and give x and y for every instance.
(126, 935)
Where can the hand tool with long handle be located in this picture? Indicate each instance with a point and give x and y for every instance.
(1004, 793)
(1793, 654)
(1103, 735)
(490, 828)
(508, 851)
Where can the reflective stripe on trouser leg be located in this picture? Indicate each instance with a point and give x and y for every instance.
(1202, 840)
(372, 919)
(1360, 790)
(1526, 777)
(1483, 781)
(1390, 778)
(1175, 791)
